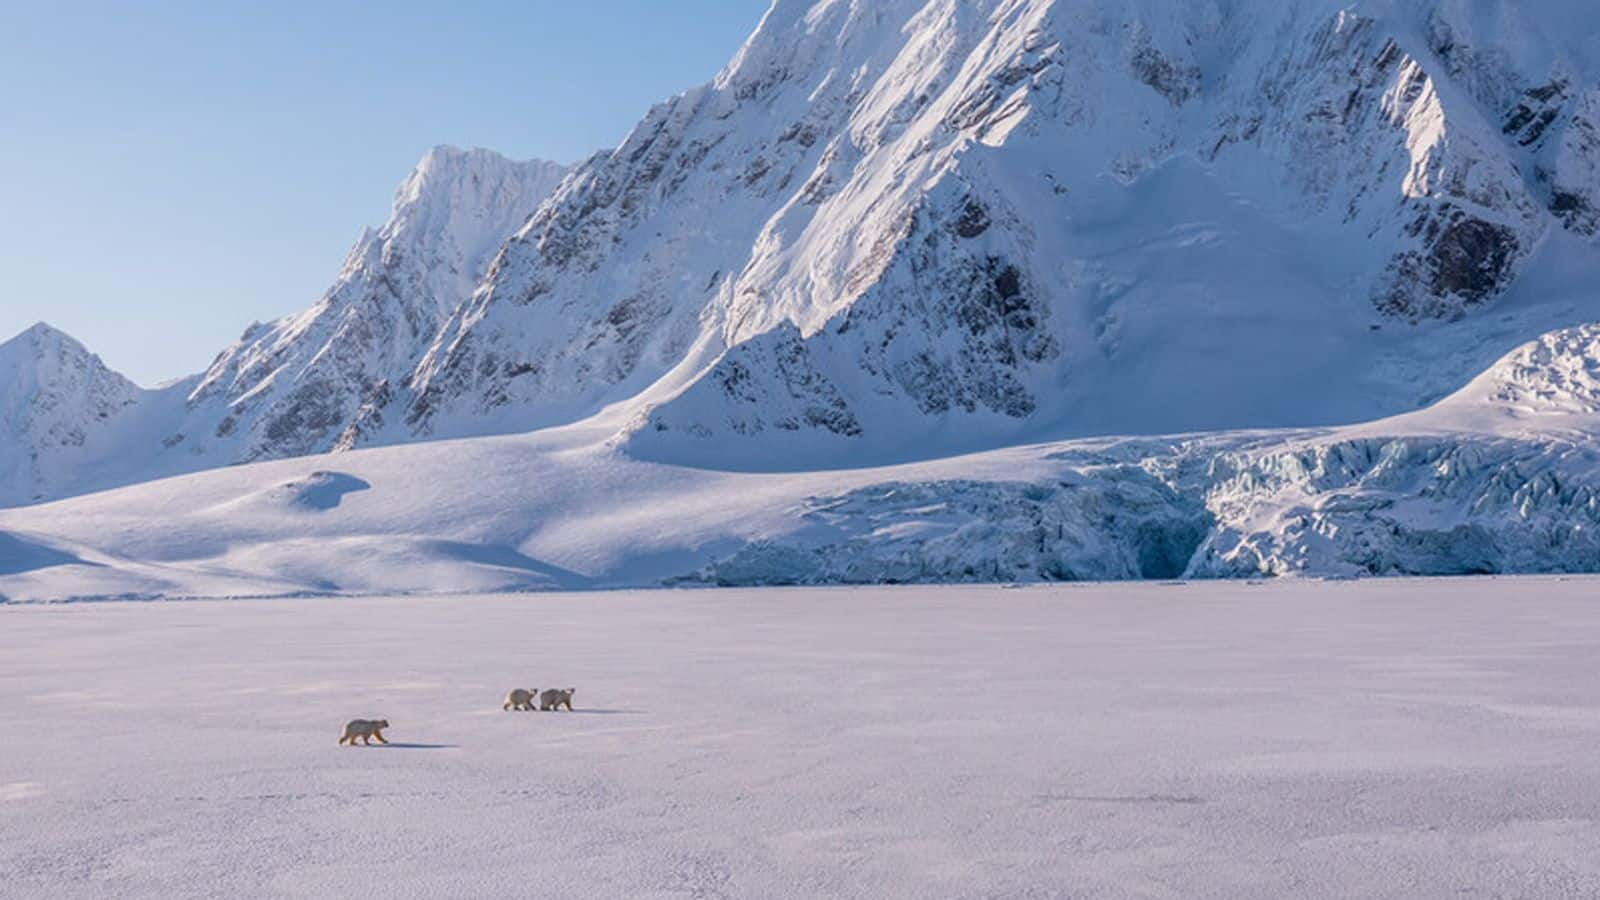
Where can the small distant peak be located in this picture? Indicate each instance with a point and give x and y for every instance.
(39, 333)
(43, 329)
(444, 167)
(41, 338)
(442, 153)
(453, 156)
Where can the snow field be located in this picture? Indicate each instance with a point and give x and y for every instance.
(1411, 739)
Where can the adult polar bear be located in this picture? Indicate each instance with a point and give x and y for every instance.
(366, 730)
(554, 698)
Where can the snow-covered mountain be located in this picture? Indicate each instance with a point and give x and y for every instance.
(298, 385)
(286, 388)
(906, 230)
(890, 226)
(900, 228)
(59, 408)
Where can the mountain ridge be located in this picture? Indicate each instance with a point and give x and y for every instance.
(824, 211)
(298, 385)
(892, 231)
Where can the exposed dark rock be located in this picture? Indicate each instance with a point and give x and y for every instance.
(1465, 262)
(1174, 82)
(1471, 259)
(974, 219)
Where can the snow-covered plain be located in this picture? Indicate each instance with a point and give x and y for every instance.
(1416, 738)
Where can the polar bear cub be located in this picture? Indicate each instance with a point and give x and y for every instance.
(555, 698)
(521, 699)
(366, 730)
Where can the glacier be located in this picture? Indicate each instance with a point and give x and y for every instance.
(1501, 477)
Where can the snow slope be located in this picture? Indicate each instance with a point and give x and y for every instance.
(1382, 739)
(1503, 476)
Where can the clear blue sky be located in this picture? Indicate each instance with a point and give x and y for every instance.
(173, 171)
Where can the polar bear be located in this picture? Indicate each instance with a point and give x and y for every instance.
(554, 698)
(520, 699)
(366, 730)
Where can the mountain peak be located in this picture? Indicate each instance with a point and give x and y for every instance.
(304, 383)
(443, 167)
(57, 401)
(42, 338)
(37, 330)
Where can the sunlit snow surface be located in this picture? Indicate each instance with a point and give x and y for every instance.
(1416, 738)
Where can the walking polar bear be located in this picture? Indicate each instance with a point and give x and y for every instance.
(521, 700)
(366, 730)
(555, 698)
